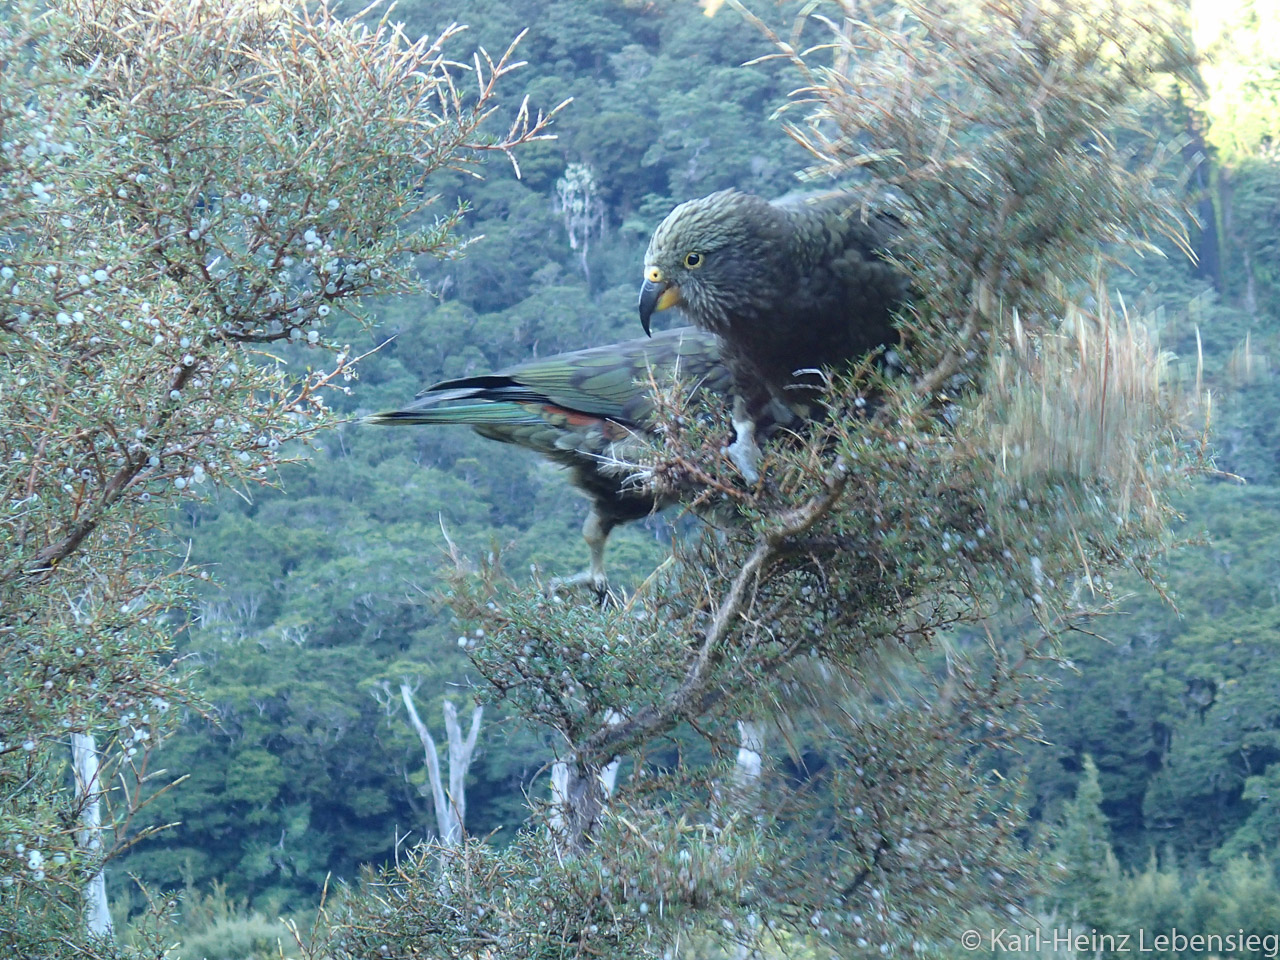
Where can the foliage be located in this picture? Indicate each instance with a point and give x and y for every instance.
(326, 588)
(1237, 902)
(1242, 97)
(211, 926)
(294, 601)
(888, 524)
(164, 218)
(1254, 186)
(1084, 857)
(1179, 711)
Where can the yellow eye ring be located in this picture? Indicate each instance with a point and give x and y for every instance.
(693, 260)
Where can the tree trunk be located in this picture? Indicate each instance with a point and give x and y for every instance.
(84, 757)
(451, 810)
(750, 754)
(579, 793)
(460, 752)
(1208, 243)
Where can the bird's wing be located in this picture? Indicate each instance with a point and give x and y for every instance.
(846, 278)
(837, 223)
(608, 382)
(585, 398)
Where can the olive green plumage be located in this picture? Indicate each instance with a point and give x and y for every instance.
(580, 410)
(794, 284)
(573, 408)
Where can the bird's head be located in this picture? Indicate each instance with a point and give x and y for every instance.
(717, 257)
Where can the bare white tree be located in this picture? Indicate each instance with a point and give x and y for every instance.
(88, 772)
(451, 807)
(750, 754)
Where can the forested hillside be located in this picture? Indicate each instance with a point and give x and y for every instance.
(326, 587)
(327, 593)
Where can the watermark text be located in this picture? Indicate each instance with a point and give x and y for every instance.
(1034, 940)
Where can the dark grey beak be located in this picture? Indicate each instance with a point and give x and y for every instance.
(656, 295)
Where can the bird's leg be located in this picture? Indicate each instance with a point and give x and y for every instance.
(744, 452)
(595, 530)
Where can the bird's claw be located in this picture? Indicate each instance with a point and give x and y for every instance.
(596, 583)
(744, 452)
(746, 457)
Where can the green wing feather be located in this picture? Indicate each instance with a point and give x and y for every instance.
(572, 404)
(611, 381)
(575, 408)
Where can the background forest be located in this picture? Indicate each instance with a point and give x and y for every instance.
(324, 596)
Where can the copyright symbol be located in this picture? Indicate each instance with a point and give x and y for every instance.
(971, 939)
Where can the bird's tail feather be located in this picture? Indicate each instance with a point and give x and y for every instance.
(441, 410)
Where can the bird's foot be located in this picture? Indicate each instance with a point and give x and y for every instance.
(746, 457)
(597, 583)
(744, 452)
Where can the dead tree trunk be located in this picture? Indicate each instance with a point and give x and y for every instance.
(451, 808)
(746, 773)
(87, 766)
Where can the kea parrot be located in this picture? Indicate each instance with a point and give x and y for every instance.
(575, 409)
(790, 286)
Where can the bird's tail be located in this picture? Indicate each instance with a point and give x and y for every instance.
(467, 406)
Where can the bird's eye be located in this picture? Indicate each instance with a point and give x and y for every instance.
(693, 260)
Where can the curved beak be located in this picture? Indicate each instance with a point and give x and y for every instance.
(656, 294)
